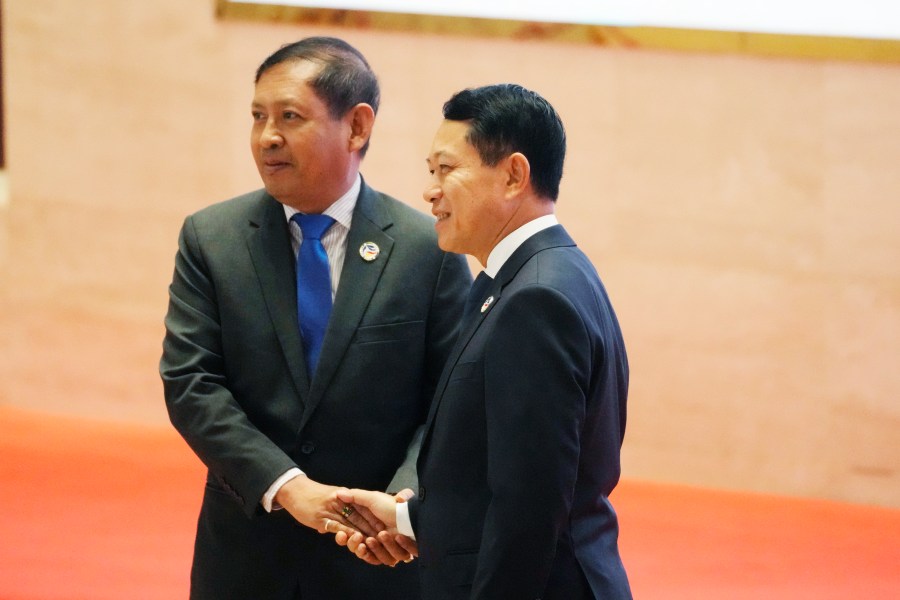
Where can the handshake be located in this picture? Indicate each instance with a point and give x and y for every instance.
(363, 521)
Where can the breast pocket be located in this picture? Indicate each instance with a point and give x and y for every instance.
(390, 332)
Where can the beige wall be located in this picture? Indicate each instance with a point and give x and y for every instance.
(743, 213)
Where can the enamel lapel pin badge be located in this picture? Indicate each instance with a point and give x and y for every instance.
(369, 251)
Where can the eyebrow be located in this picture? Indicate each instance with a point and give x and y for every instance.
(438, 156)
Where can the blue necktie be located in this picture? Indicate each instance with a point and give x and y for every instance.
(313, 285)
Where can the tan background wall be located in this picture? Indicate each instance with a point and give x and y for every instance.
(743, 213)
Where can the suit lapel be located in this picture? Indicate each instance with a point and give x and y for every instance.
(269, 244)
(359, 279)
(548, 238)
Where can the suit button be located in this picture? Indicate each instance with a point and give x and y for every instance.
(308, 448)
(422, 494)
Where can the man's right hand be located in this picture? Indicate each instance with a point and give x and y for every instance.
(388, 547)
(318, 507)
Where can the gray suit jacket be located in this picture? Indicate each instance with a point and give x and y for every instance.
(233, 370)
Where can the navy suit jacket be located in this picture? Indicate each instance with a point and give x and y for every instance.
(521, 449)
(238, 391)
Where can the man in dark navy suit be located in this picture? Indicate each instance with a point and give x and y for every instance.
(521, 447)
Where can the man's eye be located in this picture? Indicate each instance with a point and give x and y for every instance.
(290, 116)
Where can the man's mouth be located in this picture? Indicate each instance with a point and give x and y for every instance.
(272, 167)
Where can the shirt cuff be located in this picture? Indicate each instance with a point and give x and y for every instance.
(404, 524)
(268, 499)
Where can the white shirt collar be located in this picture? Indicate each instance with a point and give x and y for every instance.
(341, 210)
(505, 248)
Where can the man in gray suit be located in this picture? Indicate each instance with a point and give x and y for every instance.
(275, 427)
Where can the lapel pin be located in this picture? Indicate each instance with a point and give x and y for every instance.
(487, 303)
(369, 251)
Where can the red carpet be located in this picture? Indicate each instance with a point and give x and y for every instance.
(96, 511)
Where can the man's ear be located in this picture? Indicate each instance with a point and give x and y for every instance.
(361, 119)
(518, 172)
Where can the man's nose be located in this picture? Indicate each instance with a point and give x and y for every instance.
(431, 192)
(270, 137)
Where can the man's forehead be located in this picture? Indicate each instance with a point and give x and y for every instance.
(451, 140)
(288, 78)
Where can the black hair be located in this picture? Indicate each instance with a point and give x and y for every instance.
(507, 118)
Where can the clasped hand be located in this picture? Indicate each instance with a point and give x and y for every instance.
(388, 546)
(363, 521)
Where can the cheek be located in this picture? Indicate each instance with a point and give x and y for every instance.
(476, 207)
(326, 153)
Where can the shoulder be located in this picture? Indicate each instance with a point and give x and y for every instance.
(250, 205)
(553, 282)
(232, 219)
(221, 225)
(562, 268)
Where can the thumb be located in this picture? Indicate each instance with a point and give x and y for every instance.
(404, 495)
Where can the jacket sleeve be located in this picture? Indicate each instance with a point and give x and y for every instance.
(201, 406)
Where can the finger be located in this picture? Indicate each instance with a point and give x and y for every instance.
(379, 503)
(358, 547)
(332, 526)
(363, 554)
(354, 541)
(370, 559)
(374, 521)
(340, 527)
(408, 544)
(341, 538)
(357, 497)
(365, 521)
(389, 543)
(361, 519)
(383, 555)
(404, 495)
